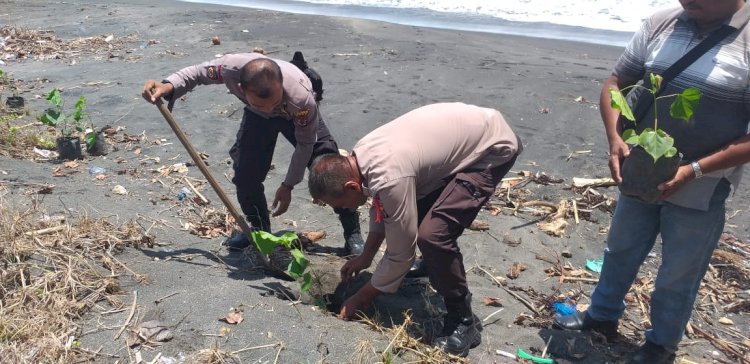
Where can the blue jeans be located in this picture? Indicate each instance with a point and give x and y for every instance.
(688, 239)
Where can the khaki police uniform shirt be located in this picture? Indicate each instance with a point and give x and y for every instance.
(408, 158)
(298, 102)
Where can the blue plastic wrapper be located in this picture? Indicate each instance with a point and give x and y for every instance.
(564, 309)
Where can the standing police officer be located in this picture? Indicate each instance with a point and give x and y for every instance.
(279, 98)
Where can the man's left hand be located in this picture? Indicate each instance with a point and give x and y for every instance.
(281, 200)
(684, 174)
(358, 302)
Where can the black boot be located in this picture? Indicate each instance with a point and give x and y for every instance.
(461, 329)
(651, 353)
(350, 222)
(582, 321)
(240, 241)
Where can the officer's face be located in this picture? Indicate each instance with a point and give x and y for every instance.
(266, 105)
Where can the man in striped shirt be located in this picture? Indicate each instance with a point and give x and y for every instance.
(690, 217)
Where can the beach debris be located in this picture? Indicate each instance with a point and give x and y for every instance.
(595, 265)
(215, 40)
(234, 317)
(593, 182)
(479, 225)
(64, 170)
(515, 270)
(149, 332)
(314, 236)
(96, 170)
(726, 321)
(46, 154)
(564, 308)
(120, 190)
(534, 359)
(566, 254)
(493, 301)
(22, 43)
(507, 239)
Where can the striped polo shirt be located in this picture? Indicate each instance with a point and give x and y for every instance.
(721, 74)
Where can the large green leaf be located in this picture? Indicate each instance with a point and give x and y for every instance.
(656, 143)
(52, 117)
(306, 282)
(55, 97)
(298, 264)
(619, 103)
(264, 241)
(630, 137)
(685, 103)
(80, 105)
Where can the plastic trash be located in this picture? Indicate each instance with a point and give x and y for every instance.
(184, 192)
(595, 265)
(523, 355)
(564, 308)
(96, 170)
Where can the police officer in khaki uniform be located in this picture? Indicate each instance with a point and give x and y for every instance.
(429, 172)
(279, 98)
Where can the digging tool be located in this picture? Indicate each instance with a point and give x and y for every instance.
(276, 272)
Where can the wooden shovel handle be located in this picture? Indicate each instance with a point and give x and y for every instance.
(215, 185)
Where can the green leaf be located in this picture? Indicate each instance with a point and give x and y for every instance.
(655, 82)
(671, 152)
(619, 103)
(264, 241)
(306, 282)
(630, 137)
(90, 140)
(685, 103)
(298, 264)
(53, 117)
(55, 97)
(657, 144)
(80, 105)
(287, 239)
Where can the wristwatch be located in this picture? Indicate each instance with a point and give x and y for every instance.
(696, 169)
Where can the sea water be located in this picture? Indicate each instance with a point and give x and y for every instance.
(595, 21)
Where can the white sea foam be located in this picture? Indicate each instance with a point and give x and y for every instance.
(596, 21)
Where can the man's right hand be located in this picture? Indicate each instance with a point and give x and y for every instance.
(618, 151)
(355, 265)
(154, 90)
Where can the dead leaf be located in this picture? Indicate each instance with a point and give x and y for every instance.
(137, 151)
(314, 236)
(515, 270)
(119, 190)
(510, 241)
(100, 177)
(746, 342)
(71, 164)
(479, 225)
(555, 227)
(492, 301)
(224, 331)
(233, 318)
(726, 321)
(62, 172)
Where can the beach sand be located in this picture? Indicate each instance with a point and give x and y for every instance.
(373, 72)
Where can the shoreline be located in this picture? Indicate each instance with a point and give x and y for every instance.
(439, 20)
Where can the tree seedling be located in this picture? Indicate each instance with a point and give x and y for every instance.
(267, 242)
(56, 116)
(656, 142)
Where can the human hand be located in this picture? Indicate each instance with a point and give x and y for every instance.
(282, 200)
(153, 90)
(353, 266)
(618, 151)
(358, 302)
(684, 174)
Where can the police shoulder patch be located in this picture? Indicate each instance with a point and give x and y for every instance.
(301, 117)
(212, 72)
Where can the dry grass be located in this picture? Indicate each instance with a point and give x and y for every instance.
(48, 280)
(403, 342)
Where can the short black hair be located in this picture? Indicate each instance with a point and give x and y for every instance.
(259, 75)
(328, 174)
